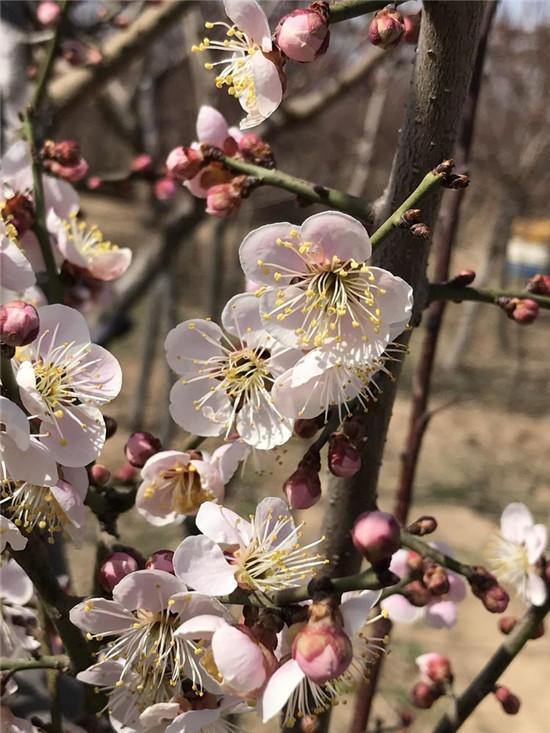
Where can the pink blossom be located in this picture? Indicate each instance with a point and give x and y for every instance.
(303, 34)
(16, 271)
(48, 12)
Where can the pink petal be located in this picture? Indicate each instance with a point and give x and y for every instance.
(355, 609)
(457, 588)
(103, 371)
(337, 234)
(16, 271)
(149, 590)
(209, 420)
(441, 614)
(65, 324)
(227, 457)
(400, 610)
(163, 461)
(60, 196)
(398, 563)
(211, 126)
(201, 564)
(241, 315)
(190, 341)
(83, 431)
(279, 688)
(201, 627)
(261, 257)
(222, 525)
(268, 89)
(78, 478)
(36, 465)
(239, 660)
(111, 265)
(15, 423)
(249, 17)
(101, 616)
(514, 521)
(284, 331)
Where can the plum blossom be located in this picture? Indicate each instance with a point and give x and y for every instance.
(16, 271)
(253, 71)
(319, 290)
(22, 455)
(147, 607)
(515, 552)
(176, 483)
(62, 379)
(86, 247)
(263, 554)
(289, 686)
(16, 590)
(440, 612)
(10, 534)
(226, 379)
(239, 662)
(58, 508)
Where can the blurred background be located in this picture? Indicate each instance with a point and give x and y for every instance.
(339, 124)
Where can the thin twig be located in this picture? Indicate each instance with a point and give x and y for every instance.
(447, 291)
(346, 9)
(57, 662)
(47, 67)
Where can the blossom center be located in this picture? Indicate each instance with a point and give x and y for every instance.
(33, 506)
(184, 482)
(88, 240)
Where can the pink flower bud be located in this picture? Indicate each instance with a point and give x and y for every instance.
(223, 200)
(415, 562)
(303, 34)
(496, 599)
(436, 580)
(510, 702)
(376, 535)
(255, 150)
(525, 312)
(116, 567)
(322, 648)
(18, 210)
(184, 163)
(386, 28)
(435, 667)
(19, 323)
(485, 586)
(303, 488)
(539, 284)
(47, 13)
(463, 278)
(424, 695)
(142, 163)
(72, 173)
(506, 624)
(94, 182)
(126, 474)
(161, 560)
(344, 460)
(423, 525)
(411, 25)
(100, 475)
(140, 447)
(165, 189)
(354, 428)
(307, 427)
(417, 594)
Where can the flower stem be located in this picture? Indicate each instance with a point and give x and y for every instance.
(47, 66)
(346, 9)
(483, 684)
(447, 291)
(57, 662)
(311, 192)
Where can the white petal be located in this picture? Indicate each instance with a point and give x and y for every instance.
(15, 422)
(10, 535)
(536, 539)
(535, 590)
(355, 610)
(147, 589)
(249, 17)
(78, 438)
(261, 257)
(515, 519)
(201, 564)
(36, 465)
(337, 234)
(269, 512)
(227, 457)
(200, 627)
(223, 525)
(190, 341)
(399, 609)
(211, 418)
(65, 324)
(239, 660)
(194, 721)
(101, 616)
(241, 315)
(279, 688)
(262, 425)
(16, 271)
(15, 586)
(102, 674)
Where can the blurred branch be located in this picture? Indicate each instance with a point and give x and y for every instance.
(118, 51)
(346, 9)
(422, 548)
(57, 662)
(47, 67)
(447, 291)
(484, 683)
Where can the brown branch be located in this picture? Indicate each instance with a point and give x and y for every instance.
(442, 292)
(484, 683)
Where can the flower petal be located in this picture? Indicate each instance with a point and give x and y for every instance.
(514, 521)
(337, 234)
(211, 418)
(15, 423)
(223, 525)
(211, 126)
(249, 17)
(241, 315)
(10, 535)
(194, 721)
(16, 271)
(101, 616)
(200, 627)
(261, 257)
(355, 609)
(261, 425)
(279, 688)
(536, 539)
(79, 438)
(192, 341)
(400, 610)
(535, 589)
(15, 586)
(441, 614)
(149, 590)
(239, 660)
(201, 564)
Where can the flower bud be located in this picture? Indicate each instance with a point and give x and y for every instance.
(525, 312)
(142, 163)
(161, 560)
(322, 649)
(256, 150)
(463, 278)
(303, 34)
(48, 12)
(310, 724)
(435, 667)
(510, 702)
(165, 189)
(303, 488)
(19, 323)
(116, 567)
(140, 447)
(184, 163)
(376, 535)
(485, 586)
(307, 427)
(539, 284)
(436, 580)
(417, 594)
(63, 159)
(18, 210)
(344, 460)
(223, 199)
(415, 563)
(411, 24)
(506, 624)
(421, 230)
(354, 428)
(100, 475)
(386, 28)
(126, 474)
(94, 182)
(424, 695)
(496, 599)
(424, 525)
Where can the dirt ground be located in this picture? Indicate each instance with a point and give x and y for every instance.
(486, 448)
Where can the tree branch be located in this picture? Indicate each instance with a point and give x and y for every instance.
(57, 662)
(346, 9)
(483, 684)
(446, 291)
(422, 548)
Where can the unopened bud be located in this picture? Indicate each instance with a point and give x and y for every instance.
(417, 594)
(142, 163)
(161, 560)
(303, 487)
(94, 182)
(424, 525)
(344, 460)
(165, 189)
(436, 580)
(424, 695)
(354, 427)
(126, 474)
(411, 24)
(255, 150)
(485, 586)
(110, 426)
(463, 278)
(116, 567)
(303, 34)
(307, 427)
(224, 199)
(63, 159)
(421, 230)
(376, 535)
(435, 667)
(510, 702)
(140, 447)
(525, 312)
(456, 181)
(184, 163)
(415, 562)
(506, 624)
(539, 284)
(386, 28)
(99, 474)
(18, 210)
(48, 12)
(310, 724)
(19, 323)
(411, 216)
(322, 648)
(406, 717)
